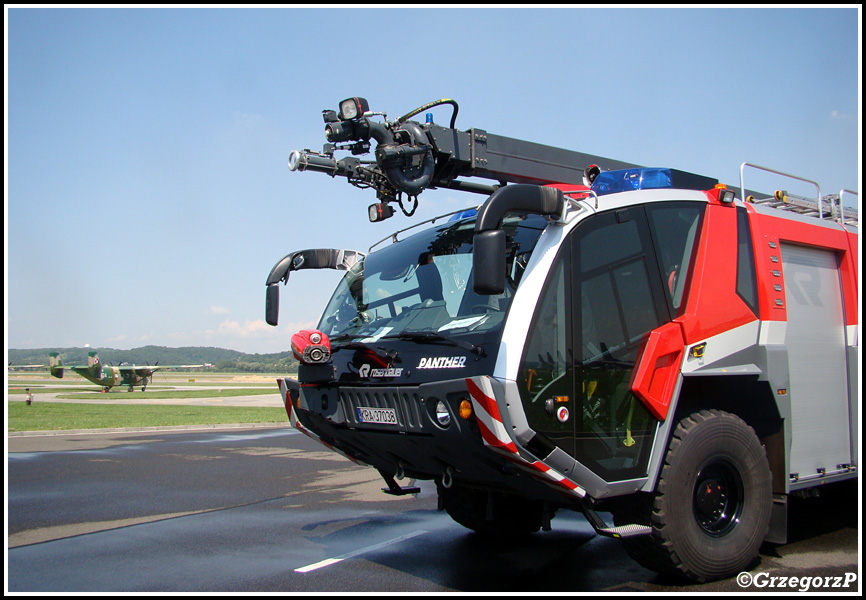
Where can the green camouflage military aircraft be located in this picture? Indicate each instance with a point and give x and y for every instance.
(110, 376)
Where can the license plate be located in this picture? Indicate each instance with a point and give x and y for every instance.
(386, 416)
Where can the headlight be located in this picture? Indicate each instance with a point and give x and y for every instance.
(353, 108)
(443, 417)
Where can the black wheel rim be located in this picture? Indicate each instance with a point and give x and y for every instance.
(717, 500)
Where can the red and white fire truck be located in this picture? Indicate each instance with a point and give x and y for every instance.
(596, 336)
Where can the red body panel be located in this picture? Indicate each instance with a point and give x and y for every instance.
(767, 229)
(656, 372)
(713, 305)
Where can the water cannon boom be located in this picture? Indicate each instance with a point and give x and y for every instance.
(410, 157)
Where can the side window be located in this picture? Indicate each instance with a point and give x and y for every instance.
(615, 297)
(545, 379)
(747, 288)
(675, 227)
(617, 309)
(544, 356)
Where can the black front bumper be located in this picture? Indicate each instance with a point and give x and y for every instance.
(417, 445)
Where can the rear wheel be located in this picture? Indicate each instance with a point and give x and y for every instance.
(712, 505)
(491, 513)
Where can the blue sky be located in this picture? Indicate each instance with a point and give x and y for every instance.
(147, 193)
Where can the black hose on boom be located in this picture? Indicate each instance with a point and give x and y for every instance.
(431, 105)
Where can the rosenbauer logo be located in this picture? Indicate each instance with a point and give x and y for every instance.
(366, 371)
(442, 362)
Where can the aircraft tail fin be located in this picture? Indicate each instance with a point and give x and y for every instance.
(93, 364)
(55, 365)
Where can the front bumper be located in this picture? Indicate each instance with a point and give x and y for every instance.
(476, 451)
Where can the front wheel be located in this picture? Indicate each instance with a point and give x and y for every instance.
(712, 505)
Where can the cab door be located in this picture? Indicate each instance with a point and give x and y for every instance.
(618, 298)
(602, 297)
(618, 276)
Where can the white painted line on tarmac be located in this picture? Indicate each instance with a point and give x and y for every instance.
(332, 561)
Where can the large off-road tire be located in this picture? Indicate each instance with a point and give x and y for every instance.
(508, 516)
(712, 505)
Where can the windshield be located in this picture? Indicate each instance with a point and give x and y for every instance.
(423, 284)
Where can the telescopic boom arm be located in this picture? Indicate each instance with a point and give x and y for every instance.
(411, 157)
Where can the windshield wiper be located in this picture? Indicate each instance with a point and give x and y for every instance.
(358, 345)
(432, 336)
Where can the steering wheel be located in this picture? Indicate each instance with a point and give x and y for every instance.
(481, 309)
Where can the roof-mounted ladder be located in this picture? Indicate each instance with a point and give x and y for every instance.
(822, 207)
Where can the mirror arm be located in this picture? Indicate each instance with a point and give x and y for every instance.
(488, 257)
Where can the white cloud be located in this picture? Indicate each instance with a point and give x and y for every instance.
(255, 328)
(254, 336)
(218, 310)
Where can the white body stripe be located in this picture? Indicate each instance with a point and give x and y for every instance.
(772, 333)
(853, 334)
(723, 345)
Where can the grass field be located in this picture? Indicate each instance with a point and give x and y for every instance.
(180, 394)
(44, 415)
(47, 416)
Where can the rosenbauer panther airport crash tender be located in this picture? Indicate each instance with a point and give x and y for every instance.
(597, 336)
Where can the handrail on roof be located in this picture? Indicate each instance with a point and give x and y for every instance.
(393, 236)
(815, 183)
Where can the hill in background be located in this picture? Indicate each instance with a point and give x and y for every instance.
(222, 359)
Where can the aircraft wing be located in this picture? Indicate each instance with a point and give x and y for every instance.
(146, 370)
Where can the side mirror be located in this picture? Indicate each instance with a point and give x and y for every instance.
(272, 304)
(488, 263)
(488, 259)
(316, 258)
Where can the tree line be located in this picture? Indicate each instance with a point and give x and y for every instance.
(223, 360)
